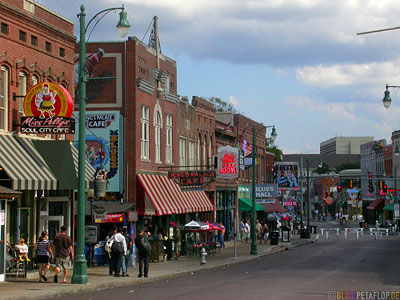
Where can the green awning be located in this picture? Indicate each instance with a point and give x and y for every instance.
(389, 207)
(246, 204)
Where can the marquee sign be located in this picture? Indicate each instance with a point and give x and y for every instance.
(265, 191)
(192, 178)
(47, 108)
(228, 162)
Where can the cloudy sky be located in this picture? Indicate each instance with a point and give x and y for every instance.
(295, 64)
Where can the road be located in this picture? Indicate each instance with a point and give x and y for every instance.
(314, 271)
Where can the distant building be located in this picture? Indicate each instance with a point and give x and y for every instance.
(344, 145)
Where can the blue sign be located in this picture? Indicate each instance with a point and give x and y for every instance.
(265, 191)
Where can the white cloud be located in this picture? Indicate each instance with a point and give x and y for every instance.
(234, 101)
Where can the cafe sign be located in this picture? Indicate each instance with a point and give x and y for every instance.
(228, 162)
(192, 178)
(48, 108)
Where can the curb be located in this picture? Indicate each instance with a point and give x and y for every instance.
(75, 289)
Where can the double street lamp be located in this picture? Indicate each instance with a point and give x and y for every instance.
(253, 250)
(79, 274)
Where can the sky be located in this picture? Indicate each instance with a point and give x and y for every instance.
(295, 64)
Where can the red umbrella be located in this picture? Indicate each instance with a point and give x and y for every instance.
(213, 226)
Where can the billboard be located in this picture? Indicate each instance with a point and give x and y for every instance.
(104, 148)
(228, 162)
(286, 174)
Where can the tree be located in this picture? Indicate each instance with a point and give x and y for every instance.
(221, 105)
(324, 169)
(272, 148)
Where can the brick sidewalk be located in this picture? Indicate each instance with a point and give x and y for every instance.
(18, 289)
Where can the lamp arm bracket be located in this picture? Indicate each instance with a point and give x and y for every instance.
(105, 12)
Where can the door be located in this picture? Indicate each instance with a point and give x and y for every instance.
(23, 223)
(52, 225)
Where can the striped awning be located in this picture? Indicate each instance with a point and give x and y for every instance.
(23, 164)
(167, 198)
(89, 170)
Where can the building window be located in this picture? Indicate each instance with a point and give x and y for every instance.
(62, 52)
(192, 149)
(4, 99)
(168, 142)
(34, 40)
(205, 153)
(48, 47)
(198, 151)
(157, 129)
(22, 36)
(144, 132)
(34, 80)
(4, 28)
(22, 86)
(210, 153)
(182, 152)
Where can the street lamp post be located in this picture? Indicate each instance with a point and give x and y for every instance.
(253, 250)
(308, 200)
(396, 154)
(79, 275)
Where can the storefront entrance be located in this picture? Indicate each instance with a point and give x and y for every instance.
(52, 225)
(3, 207)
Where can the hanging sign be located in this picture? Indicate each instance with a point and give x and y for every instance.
(192, 178)
(48, 108)
(228, 162)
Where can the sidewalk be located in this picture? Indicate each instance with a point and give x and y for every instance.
(24, 289)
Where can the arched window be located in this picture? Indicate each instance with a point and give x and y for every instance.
(204, 152)
(35, 80)
(157, 129)
(3, 98)
(22, 88)
(198, 160)
(210, 162)
(168, 141)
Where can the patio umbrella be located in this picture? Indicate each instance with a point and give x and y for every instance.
(196, 226)
(214, 226)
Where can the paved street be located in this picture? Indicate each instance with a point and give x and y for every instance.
(308, 272)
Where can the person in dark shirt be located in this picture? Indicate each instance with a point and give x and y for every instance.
(144, 254)
(63, 252)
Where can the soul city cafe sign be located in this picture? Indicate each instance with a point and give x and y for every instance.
(48, 108)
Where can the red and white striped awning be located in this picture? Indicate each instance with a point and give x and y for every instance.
(167, 197)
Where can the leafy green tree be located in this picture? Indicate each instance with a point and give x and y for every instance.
(221, 105)
(272, 148)
(324, 169)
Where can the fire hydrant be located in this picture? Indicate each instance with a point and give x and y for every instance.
(203, 254)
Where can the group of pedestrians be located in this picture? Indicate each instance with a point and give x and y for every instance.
(262, 231)
(62, 251)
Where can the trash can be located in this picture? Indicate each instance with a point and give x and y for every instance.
(99, 254)
(274, 237)
(285, 234)
(303, 233)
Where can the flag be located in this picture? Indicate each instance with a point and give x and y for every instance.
(228, 125)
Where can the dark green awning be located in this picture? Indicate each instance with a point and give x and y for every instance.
(58, 157)
(389, 207)
(246, 204)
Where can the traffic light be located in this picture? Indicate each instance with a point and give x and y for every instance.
(351, 183)
(339, 188)
(380, 184)
(385, 189)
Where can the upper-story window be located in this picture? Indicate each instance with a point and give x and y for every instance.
(48, 46)
(22, 36)
(34, 40)
(3, 98)
(22, 88)
(182, 152)
(210, 162)
(62, 52)
(192, 149)
(4, 28)
(144, 132)
(168, 142)
(198, 150)
(157, 129)
(35, 80)
(204, 152)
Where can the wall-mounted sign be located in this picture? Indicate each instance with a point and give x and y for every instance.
(192, 178)
(265, 191)
(91, 234)
(111, 218)
(48, 108)
(228, 162)
(286, 175)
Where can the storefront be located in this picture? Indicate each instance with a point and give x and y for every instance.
(5, 196)
(162, 205)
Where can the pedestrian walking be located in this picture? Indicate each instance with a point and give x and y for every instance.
(265, 233)
(108, 257)
(143, 245)
(118, 250)
(247, 230)
(125, 258)
(241, 230)
(64, 253)
(44, 253)
(222, 235)
(258, 230)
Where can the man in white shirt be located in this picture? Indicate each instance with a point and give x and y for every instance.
(118, 250)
